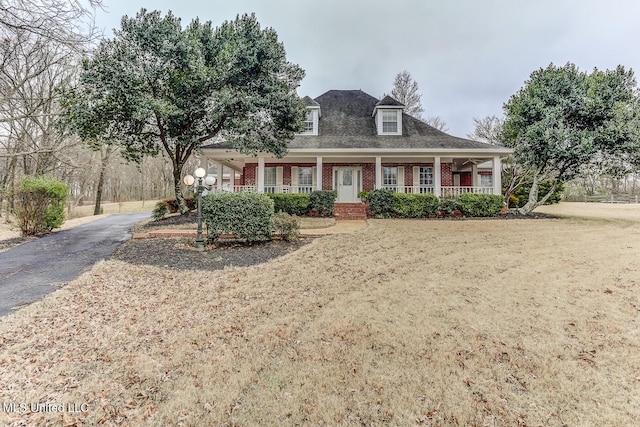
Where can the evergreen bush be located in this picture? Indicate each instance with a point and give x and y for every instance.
(322, 202)
(246, 215)
(291, 203)
(160, 210)
(480, 205)
(414, 205)
(381, 203)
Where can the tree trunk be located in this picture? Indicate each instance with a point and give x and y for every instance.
(177, 186)
(104, 161)
(533, 201)
(103, 167)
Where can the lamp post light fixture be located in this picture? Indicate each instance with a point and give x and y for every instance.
(199, 187)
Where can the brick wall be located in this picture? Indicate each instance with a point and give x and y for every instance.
(368, 173)
(447, 176)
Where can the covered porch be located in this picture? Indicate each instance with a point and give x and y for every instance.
(442, 174)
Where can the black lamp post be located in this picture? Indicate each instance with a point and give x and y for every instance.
(200, 187)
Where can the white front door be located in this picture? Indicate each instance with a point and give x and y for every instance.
(348, 184)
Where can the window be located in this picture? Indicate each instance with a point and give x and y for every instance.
(486, 180)
(305, 177)
(426, 176)
(270, 176)
(389, 122)
(308, 123)
(390, 176)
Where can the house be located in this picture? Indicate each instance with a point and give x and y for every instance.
(355, 142)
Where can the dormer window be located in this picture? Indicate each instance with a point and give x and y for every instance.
(388, 116)
(312, 118)
(389, 121)
(308, 123)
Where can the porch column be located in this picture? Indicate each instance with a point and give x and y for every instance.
(437, 177)
(260, 177)
(497, 175)
(474, 176)
(219, 176)
(378, 172)
(319, 173)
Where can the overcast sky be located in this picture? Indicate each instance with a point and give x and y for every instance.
(468, 56)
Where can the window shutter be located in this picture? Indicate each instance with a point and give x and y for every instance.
(313, 177)
(416, 176)
(294, 176)
(401, 179)
(255, 178)
(279, 175)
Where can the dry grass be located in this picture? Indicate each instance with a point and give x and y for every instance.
(520, 322)
(111, 208)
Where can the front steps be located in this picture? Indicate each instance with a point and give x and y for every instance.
(349, 211)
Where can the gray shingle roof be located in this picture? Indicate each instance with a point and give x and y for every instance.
(310, 102)
(389, 101)
(347, 122)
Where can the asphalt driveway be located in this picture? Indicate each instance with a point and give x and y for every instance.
(33, 269)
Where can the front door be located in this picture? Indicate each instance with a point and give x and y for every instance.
(348, 184)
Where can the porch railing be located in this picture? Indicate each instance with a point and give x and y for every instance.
(273, 189)
(455, 191)
(445, 191)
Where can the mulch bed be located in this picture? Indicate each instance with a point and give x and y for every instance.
(179, 254)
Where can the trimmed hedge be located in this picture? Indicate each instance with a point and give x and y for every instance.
(385, 203)
(415, 205)
(246, 215)
(40, 205)
(322, 202)
(447, 206)
(480, 205)
(381, 203)
(291, 203)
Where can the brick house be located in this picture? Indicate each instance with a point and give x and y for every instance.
(355, 142)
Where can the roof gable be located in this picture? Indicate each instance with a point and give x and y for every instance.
(388, 101)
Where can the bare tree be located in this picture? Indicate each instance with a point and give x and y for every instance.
(487, 129)
(65, 22)
(436, 122)
(405, 90)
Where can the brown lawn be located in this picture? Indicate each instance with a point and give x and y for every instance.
(437, 323)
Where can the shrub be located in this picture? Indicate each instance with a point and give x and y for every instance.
(322, 202)
(414, 205)
(160, 210)
(288, 226)
(172, 204)
(364, 196)
(291, 203)
(480, 205)
(40, 205)
(386, 203)
(448, 206)
(381, 203)
(246, 215)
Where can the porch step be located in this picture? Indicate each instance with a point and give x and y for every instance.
(350, 211)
